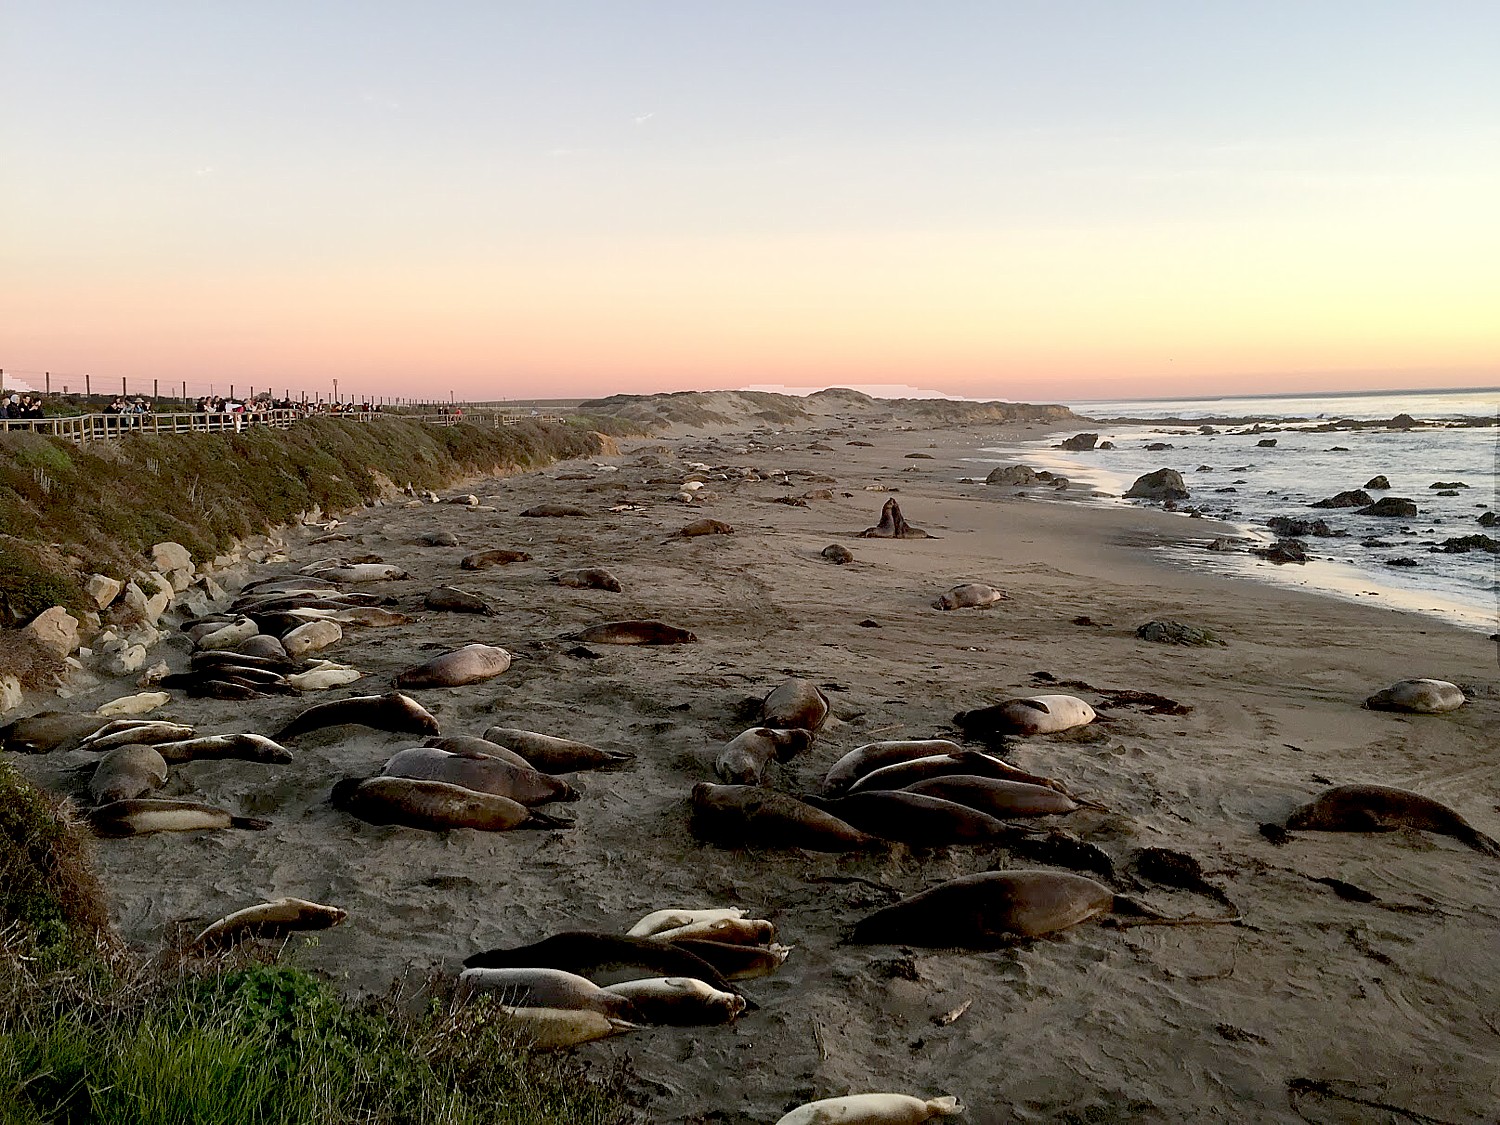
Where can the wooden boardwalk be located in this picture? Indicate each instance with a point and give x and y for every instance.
(79, 428)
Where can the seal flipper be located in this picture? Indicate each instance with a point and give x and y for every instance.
(539, 819)
(1477, 840)
(1037, 704)
(253, 823)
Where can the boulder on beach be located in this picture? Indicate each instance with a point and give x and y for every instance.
(1355, 498)
(1164, 484)
(1165, 631)
(1377, 483)
(1296, 527)
(1106, 445)
(1283, 551)
(1391, 507)
(1019, 476)
(1080, 443)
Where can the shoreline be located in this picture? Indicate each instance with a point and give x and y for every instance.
(1093, 1021)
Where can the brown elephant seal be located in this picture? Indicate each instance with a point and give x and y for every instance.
(48, 731)
(912, 818)
(450, 599)
(472, 664)
(143, 815)
(734, 931)
(480, 772)
(795, 703)
(269, 920)
(592, 954)
(659, 921)
(969, 595)
(439, 538)
(751, 816)
(536, 987)
(218, 747)
(872, 1109)
(473, 744)
(555, 511)
(984, 910)
(140, 732)
(400, 714)
(371, 617)
(873, 755)
(737, 962)
(127, 772)
(649, 632)
(1037, 714)
(588, 578)
(1381, 808)
(492, 556)
(264, 646)
(893, 525)
(746, 757)
(1418, 697)
(838, 554)
(996, 796)
(705, 527)
(556, 755)
(434, 806)
(678, 1001)
(900, 775)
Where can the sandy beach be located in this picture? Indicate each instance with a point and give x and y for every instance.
(1317, 1007)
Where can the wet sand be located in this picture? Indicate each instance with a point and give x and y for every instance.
(1390, 1001)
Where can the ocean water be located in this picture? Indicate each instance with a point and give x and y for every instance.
(1234, 479)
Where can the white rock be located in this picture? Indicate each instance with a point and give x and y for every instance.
(128, 660)
(10, 693)
(56, 629)
(103, 589)
(169, 556)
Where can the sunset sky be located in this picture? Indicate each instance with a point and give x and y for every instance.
(1043, 200)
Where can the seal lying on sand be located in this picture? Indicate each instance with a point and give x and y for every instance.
(648, 632)
(127, 772)
(588, 578)
(1420, 697)
(273, 920)
(795, 704)
(556, 755)
(737, 962)
(747, 756)
(472, 664)
(1380, 808)
(434, 806)
(678, 1001)
(48, 731)
(1037, 714)
(873, 755)
(996, 796)
(555, 511)
(893, 525)
(838, 554)
(659, 921)
(156, 814)
(705, 527)
(494, 556)
(138, 732)
(391, 711)
(872, 1109)
(979, 911)
(480, 772)
(243, 747)
(450, 599)
(969, 595)
(903, 775)
(748, 815)
(912, 818)
(581, 951)
(534, 987)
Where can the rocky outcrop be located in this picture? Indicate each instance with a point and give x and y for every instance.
(56, 630)
(1354, 498)
(1296, 527)
(1391, 507)
(1019, 476)
(1377, 483)
(1164, 484)
(1464, 544)
(1283, 551)
(1266, 443)
(1080, 443)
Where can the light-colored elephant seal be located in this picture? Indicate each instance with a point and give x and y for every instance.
(750, 816)
(587, 952)
(893, 525)
(480, 772)
(435, 806)
(217, 747)
(1381, 808)
(392, 711)
(270, 920)
(588, 578)
(795, 703)
(362, 572)
(264, 646)
(557, 755)
(670, 919)
(837, 553)
(900, 775)
(649, 632)
(1420, 697)
(873, 755)
(996, 796)
(127, 772)
(553, 1029)
(450, 599)
(439, 539)
(983, 910)
(1037, 714)
(371, 617)
(969, 595)
(324, 674)
(311, 637)
(473, 744)
(746, 757)
(705, 527)
(532, 987)
(678, 1001)
(227, 636)
(472, 664)
(140, 732)
(737, 962)
(144, 815)
(492, 556)
(735, 931)
(872, 1109)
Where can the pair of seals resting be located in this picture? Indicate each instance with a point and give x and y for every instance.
(481, 772)
(554, 755)
(434, 806)
(392, 712)
(674, 1001)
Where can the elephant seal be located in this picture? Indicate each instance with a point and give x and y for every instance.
(969, 595)
(750, 816)
(588, 578)
(48, 731)
(311, 637)
(472, 744)
(392, 711)
(218, 747)
(873, 755)
(362, 572)
(838, 554)
(732, 931)
(996, 796)
(226, 636)
(552, 1029)
(556, 755)
(1037, 714)
(127, 772)
(450, 599)
(125, 732)
(901, 775)
(648, 632)
(872, 1109)
(893, 525)
(669, 919)
(795, 703)
(472, 664)
(434, 806)
(140, 816)
(1380, 808)
(555, 511)
(530, 987)
(480, 772)
(371, 617)
(746, 757)
(1419, 697)
(983, 910)
(912, 818)
(705, 527)
(272, 920)
(263, 646)
(581, 951)
(737, 962)
(234, 658)
(493, 556)
(439, 539)
(137, 704)
(678, 1001)
(323, 675)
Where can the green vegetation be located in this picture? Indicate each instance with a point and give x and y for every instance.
(91, 1036)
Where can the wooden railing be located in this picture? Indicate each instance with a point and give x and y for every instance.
(80, 428)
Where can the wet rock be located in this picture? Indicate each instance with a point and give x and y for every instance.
(1168, 632)
(1448, 484)
(1283, 551)
(1019, 476)
(1489, 519)
(1377, 483)
(1081, 443)
(1403, 561)
(1467, 543)
(1354, 498)
(1159, 446)
(1164, 484)
(1266, 443)
(1106, 445)
(1391, 507)
(1402, 422)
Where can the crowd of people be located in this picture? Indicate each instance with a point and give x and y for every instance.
(16, 404)
(21, 406)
